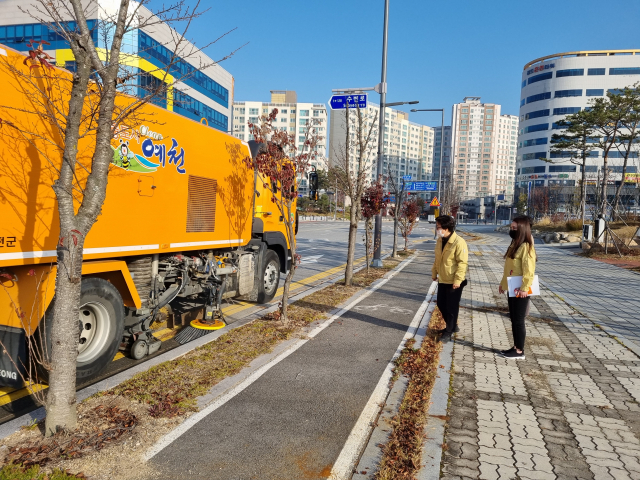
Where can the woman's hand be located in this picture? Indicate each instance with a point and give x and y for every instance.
(521, 293)
(500, 290)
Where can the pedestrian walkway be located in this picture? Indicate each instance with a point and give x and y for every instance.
(294, 420)
(570, 410)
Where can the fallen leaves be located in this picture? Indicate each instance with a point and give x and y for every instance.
(402, 455)
(106, 425)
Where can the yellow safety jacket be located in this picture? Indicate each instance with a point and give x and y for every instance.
(451, 263)
(524, 265)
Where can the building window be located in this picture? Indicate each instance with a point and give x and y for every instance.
(540, 77)
(17, 36)
(161, 57)
(566, 110)
(538, 97)
(562, 168)
(253, 111)
(596, 71)
(625, 71)
(530, 170)
(536, 114)
(568, 93)
(595, 92)
(192, 108)
(536, 128)
(533, 156)
(535, 141)
(572, 72)
(304, 113)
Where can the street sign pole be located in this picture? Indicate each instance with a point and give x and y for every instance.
(377, 235)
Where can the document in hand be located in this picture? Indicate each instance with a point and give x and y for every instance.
(516, 282)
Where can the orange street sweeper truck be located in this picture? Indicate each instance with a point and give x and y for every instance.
(183, 221)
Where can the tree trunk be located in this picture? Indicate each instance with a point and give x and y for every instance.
(284, 310)
(394, 253)
(61, 394)
(367, 240)
(353, 231)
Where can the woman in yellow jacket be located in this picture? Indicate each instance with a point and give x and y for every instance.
(450, 269)
(520, 260)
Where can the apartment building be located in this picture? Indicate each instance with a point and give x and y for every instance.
(408, 146)
(293, 117)
(483, 160)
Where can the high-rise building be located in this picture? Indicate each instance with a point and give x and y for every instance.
(408, 146)
(446, 151)
(561, 84)
(192, 91)
(293, 117)
(483, 162)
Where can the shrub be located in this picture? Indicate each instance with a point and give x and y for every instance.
(573, 225)
(544, 222)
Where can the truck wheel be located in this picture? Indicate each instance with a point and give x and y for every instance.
(101, 325)
(270, 277)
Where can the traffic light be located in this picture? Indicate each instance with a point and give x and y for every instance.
(313, 185)
(313, 181)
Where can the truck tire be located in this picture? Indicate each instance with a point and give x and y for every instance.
(101, 319)
(269, 278)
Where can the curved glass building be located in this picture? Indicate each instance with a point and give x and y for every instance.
(558, 85)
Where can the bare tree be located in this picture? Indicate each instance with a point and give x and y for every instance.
(449, 193)
(352, 169)
(278, 164)
(73, 108)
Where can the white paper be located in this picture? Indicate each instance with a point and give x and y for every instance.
(516, 282)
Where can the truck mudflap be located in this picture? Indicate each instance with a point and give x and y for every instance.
(13, 356)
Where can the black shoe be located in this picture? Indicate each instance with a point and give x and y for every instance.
(446, 337)
(504, 352)
(443, 330)
(514, 355)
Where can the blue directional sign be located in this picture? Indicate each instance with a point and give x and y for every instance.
(406, 177)
(340, 102)
(421, 186)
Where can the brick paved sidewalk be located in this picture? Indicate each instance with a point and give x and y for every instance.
(569, 411)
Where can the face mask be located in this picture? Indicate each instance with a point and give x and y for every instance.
(513, 234)
(440, 233)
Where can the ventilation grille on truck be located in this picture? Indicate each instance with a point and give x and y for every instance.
(201, 206)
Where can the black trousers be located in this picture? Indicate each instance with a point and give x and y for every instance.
(449, 304)
(518, 310)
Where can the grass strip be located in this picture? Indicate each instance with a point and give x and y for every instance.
(16, 472)
(402, 454)
(172, 388)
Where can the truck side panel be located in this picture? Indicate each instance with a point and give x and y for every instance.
(174, 184)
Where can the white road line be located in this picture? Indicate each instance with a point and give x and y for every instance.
(172, 436)
(348, 458)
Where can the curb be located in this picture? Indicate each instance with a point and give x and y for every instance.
(435, 428)
(12, 426)
(381, 426)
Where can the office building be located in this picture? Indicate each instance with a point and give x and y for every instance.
(483, 148)
(553, 87)
(192, 91)
(293, 118)
(446, 151)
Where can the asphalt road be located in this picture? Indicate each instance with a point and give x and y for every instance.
(323, 245)
(293, 421)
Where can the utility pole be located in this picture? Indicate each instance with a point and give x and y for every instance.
(377, 235)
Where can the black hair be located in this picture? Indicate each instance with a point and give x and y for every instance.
(447, 222)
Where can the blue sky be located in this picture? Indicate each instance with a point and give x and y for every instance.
(439, 52)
